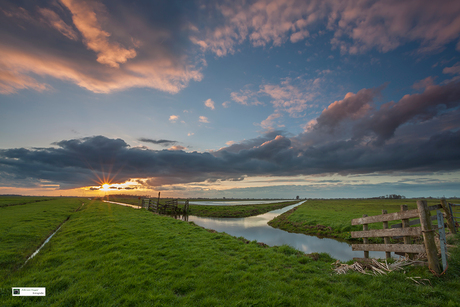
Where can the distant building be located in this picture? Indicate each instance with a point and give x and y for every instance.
(297, 197)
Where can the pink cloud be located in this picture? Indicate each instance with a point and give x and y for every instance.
(422, 84)
(352, 106)
(383, 25)
(56, 22)
(23, 61)
(289, 97)
(245, 97)
(203, 119)
(209, 103)
(453, 70)
(85, 19)
(268, 124)
(177, 147)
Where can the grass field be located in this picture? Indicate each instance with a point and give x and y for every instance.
(24, 228)
(235, 211)
(109, 255)
(20, 200)
(332, 217)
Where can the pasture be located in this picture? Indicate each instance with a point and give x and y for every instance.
(110, 255)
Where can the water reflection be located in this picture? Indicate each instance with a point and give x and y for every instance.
(256, 228)
(236, 202)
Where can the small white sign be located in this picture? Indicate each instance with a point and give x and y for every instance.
(19, 291)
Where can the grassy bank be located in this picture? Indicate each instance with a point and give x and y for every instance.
(237, 210)
(332, 217)
(24, 228)
(220, 211)
(109, 255)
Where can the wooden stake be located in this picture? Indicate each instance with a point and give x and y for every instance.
(442, 239)
(428, 236)
(449, 219)
(386, 240)
(365, 240)
(406, 224)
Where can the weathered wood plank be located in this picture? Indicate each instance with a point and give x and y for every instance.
(386, 217)
(411, 223)
(392, 232)
(401, 248)
(391, 216)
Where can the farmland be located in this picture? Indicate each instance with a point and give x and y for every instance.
(108, 255)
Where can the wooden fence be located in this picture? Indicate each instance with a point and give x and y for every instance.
(168, 207)
(405, 231)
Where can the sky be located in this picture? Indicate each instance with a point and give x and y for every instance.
(244, 99)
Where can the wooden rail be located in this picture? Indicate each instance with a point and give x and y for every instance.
(404, 230)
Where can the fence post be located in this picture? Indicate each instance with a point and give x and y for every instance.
(442, 239)
(365, 240)
(386, 240)
(448, 216)
(405, 224)
(428, 236)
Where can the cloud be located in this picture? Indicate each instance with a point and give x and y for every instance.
(454, 70)
(353, 106)
(173, 118)
(209, 103)
(269, 123)
(245, 97)
(226, 104)
(204, 119)
(161, 142)
(53, 20)
(177, 147)
(98, 48)
(292, 96)
(357, 26)
(355, 135)
(85, 19)
(423, 84)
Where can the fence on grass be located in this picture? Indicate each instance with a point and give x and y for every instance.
(170, 206)
(405, 231)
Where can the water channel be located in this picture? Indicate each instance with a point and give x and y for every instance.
(256, 228)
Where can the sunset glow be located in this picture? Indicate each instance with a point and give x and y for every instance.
(255, 98)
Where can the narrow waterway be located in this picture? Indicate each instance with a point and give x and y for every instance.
(256, 228)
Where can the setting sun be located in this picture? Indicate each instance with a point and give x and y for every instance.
(105, 187)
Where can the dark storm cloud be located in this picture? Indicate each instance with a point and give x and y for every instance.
(411, 108)
(419, 133)
(164, 143)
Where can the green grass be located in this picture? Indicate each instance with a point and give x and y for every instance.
(236, 210)
(20, 200)
(24, 228)
(109, 255)
(332, 217)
